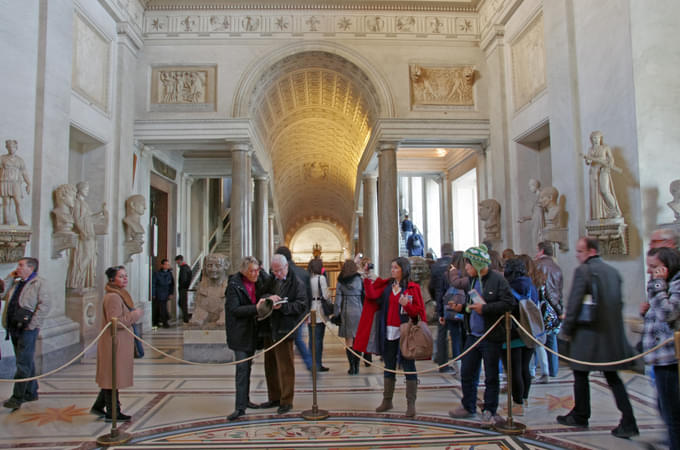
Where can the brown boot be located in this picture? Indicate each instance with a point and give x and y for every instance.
(388, 392)
(411, 390)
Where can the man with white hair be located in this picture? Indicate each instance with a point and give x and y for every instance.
(288, 295)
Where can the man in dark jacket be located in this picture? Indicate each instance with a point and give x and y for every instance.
(600, 341)
(240, 305)
(415, 244)
(490, 299)
(279, 368)
(162, 288)
(439, 283)
(183, 284)
(553, 290)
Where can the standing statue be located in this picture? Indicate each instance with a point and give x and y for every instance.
(489, 212)
(209, 298)
(536, 218)
(603, 203)
(675, 203)
(135, 206)
(12, 170)
(82, 267)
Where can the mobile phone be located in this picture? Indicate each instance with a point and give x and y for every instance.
(283, 300)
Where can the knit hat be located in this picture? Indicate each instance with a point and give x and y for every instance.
(478, 257)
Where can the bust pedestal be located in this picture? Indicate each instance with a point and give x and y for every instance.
(82, 306)
(207, 346)
(612, 234)
(13, 240)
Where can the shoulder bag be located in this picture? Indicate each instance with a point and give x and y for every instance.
(326, 305)
(415, 340)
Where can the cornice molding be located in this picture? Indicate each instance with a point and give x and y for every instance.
(421, 6)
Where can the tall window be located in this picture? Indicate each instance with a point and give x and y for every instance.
(433, 215)
(417, 203)
(464, 199)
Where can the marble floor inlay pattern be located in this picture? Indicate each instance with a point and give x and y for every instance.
(176, 405)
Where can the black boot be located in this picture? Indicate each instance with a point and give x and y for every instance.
(108, 394)
(350, 359)
(99, 405)
(356, 363)
(368, 358)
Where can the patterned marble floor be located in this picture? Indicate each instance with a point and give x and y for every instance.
(185, 406)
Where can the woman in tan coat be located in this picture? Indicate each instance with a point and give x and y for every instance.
(117, 303)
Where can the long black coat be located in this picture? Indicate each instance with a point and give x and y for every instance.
(240, 316)
(606, 339)
(284, 319)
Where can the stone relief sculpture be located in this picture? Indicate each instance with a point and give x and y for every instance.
(445, 86)
(178, 86)
(603, 203)
(209, 299)
(489, 212)
(135, 206)
(606, 221)
(12, 171)
(552, 230)
(537, 213)
(87, 225)
(675, 203)
(63, 236)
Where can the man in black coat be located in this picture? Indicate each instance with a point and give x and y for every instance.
(162, 288)
(240, 306)
(439, 283)
(602, 340)
(183, 284)
(279, 367)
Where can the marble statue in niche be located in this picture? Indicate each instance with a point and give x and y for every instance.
(209, 299)
(87, 225)
(489, 212)
(675, 203)
(552, 230)
(537, 213)
(603, 203)
(442, 85)
(135, 206)
(12, 171)
(63, 236)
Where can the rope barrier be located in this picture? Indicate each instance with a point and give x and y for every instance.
(230, 363)
(587, 363)
(53, 371)
(432, 369)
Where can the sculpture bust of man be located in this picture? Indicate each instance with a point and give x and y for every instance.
(489, 212)
(12, 170)
(548, 200)
(64, 200)
(675, 203)
(135, 206)
(209, 298)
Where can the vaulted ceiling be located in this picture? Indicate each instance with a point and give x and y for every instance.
(315, 111)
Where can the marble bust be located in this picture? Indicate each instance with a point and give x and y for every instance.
(548, 201)
(64, 201)
(603, 203)
(135, 206)
(675, 203)
(209, 299)
(489, 212)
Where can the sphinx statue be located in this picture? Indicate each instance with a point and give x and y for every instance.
(209, 299)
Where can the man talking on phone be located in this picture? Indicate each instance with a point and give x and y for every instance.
(288, 295)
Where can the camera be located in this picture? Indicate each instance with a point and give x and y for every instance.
(371, 266)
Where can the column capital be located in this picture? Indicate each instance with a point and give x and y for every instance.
(240, 146)
(384, 146)
(369, 176)
(264, 178)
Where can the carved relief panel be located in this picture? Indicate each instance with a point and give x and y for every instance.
(528, 64)
(183, 88)
(441, 86)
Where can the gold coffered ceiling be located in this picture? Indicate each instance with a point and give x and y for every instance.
(315, 111)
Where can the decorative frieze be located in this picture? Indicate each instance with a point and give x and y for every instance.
(441, 86)
(183, 88)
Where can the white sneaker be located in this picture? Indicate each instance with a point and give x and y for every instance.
(491, 420)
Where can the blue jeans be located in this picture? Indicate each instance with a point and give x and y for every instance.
(24, 351)
(553, 360)
(452, 328)
(490, 353)
(302, 348)
(668, 392)
(390, 359)
(539, 359)
(242, 379)
(320, 331)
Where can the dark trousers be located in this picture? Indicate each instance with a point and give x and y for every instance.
(243, 378)
(666, 378)
(317, 341)
(159, 312)
(451, 329)
(279, 370)
(182, 302)
(581, 411)
(490, 353)
(24, 352)
(390, 359)
(521, 376)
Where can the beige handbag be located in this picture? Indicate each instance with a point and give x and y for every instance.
(415, 341)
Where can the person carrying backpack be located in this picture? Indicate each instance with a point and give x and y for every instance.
(415, 244)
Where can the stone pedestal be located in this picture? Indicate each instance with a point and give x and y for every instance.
(556, 236)
(61, 241)
(82, 306)
(13, 240)
(612, 234)
(207, 346)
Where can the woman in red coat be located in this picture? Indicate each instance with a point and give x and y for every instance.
(391, 302)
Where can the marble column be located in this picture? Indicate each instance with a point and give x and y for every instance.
(370, 217)
(261, 218)
(266, 260)
(240, 202)
(388, 217)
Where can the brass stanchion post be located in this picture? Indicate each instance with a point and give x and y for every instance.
(510, 426)
(676, 335)
(115, 437)
(315, 413)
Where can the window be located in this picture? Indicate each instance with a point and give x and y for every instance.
(464, 207)
(433, 216)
